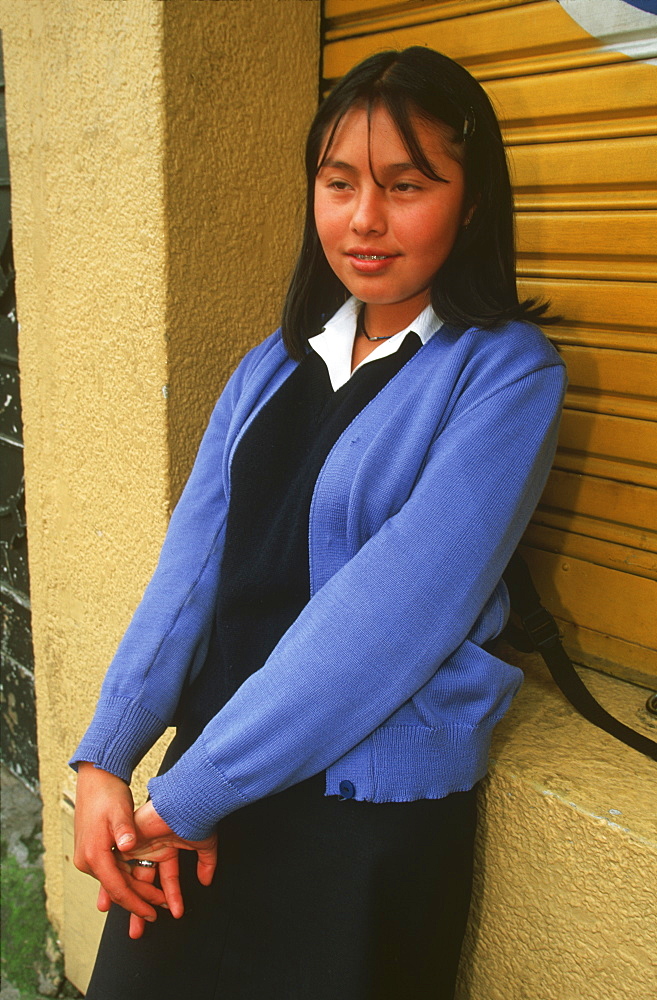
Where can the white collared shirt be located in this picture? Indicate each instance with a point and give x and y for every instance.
(335, 343)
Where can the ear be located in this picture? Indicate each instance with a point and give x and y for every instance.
(467, 218)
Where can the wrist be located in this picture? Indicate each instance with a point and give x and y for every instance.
(89, 772)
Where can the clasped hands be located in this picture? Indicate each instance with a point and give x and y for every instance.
(109, 832)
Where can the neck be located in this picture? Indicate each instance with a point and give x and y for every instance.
(386, 320)
(361, 330)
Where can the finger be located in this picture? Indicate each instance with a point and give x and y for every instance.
(170, 882)
(206, 864)
(124, 836)
(147, 876)
(136, 927)
(103, 902)
(141, 879)
(139, 898)
(147, 892)
(122, 827)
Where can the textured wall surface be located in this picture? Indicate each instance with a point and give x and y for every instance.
(241, 89)
(564, 904)
(86, 140)
(156, 158)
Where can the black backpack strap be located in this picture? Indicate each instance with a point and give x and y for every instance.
(542, 634)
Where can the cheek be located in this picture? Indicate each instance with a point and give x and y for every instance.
(437, 234)
(322, 220)
(332, 220)
(329, 233)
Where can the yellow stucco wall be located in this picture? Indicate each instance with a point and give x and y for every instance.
(564, 904)
(86, 141)
(155, 150)
(240, 91)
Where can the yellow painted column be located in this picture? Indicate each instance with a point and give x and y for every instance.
(155, 151)
(240, 92)
(86, 144)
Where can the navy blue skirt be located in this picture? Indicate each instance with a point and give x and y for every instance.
(314, 899)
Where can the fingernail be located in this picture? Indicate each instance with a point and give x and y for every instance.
(124, 840)
(151, 920)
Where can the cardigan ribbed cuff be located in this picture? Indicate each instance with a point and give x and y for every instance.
(121, 732)
(193, 796)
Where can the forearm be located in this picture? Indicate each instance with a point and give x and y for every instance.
(166, 641)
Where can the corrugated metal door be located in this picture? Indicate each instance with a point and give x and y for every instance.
(575, 91)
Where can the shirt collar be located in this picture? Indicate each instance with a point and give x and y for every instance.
(336, 341)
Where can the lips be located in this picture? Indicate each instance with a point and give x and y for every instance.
(369, 261)
(369, 254)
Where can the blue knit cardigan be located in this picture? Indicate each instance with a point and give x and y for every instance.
(382, 680)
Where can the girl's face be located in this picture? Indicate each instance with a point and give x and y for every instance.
(386, 241)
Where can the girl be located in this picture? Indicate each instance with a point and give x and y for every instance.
(317, 624)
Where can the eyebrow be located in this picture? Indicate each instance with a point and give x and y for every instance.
(336, 164)
(389, 169)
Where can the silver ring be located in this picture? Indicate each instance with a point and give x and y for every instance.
(142, 863)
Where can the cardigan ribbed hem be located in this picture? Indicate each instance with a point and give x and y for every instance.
(196, 796)
(409, 762)
(121, 732)
(452, 759)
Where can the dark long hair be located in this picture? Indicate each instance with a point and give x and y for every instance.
(476, 286)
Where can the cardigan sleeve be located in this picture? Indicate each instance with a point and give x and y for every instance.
(381, 626)
(168, 634)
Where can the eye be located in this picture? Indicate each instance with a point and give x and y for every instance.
(405, 186)
(339, 185)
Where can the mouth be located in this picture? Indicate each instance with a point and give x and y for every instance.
(363, 261)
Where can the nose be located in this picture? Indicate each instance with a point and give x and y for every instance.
(369, 214)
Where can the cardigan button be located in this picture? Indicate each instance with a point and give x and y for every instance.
(347, 790)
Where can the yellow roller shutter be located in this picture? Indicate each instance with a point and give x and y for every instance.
(575, 86)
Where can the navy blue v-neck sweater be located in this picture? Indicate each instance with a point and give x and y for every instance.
(265, 578)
